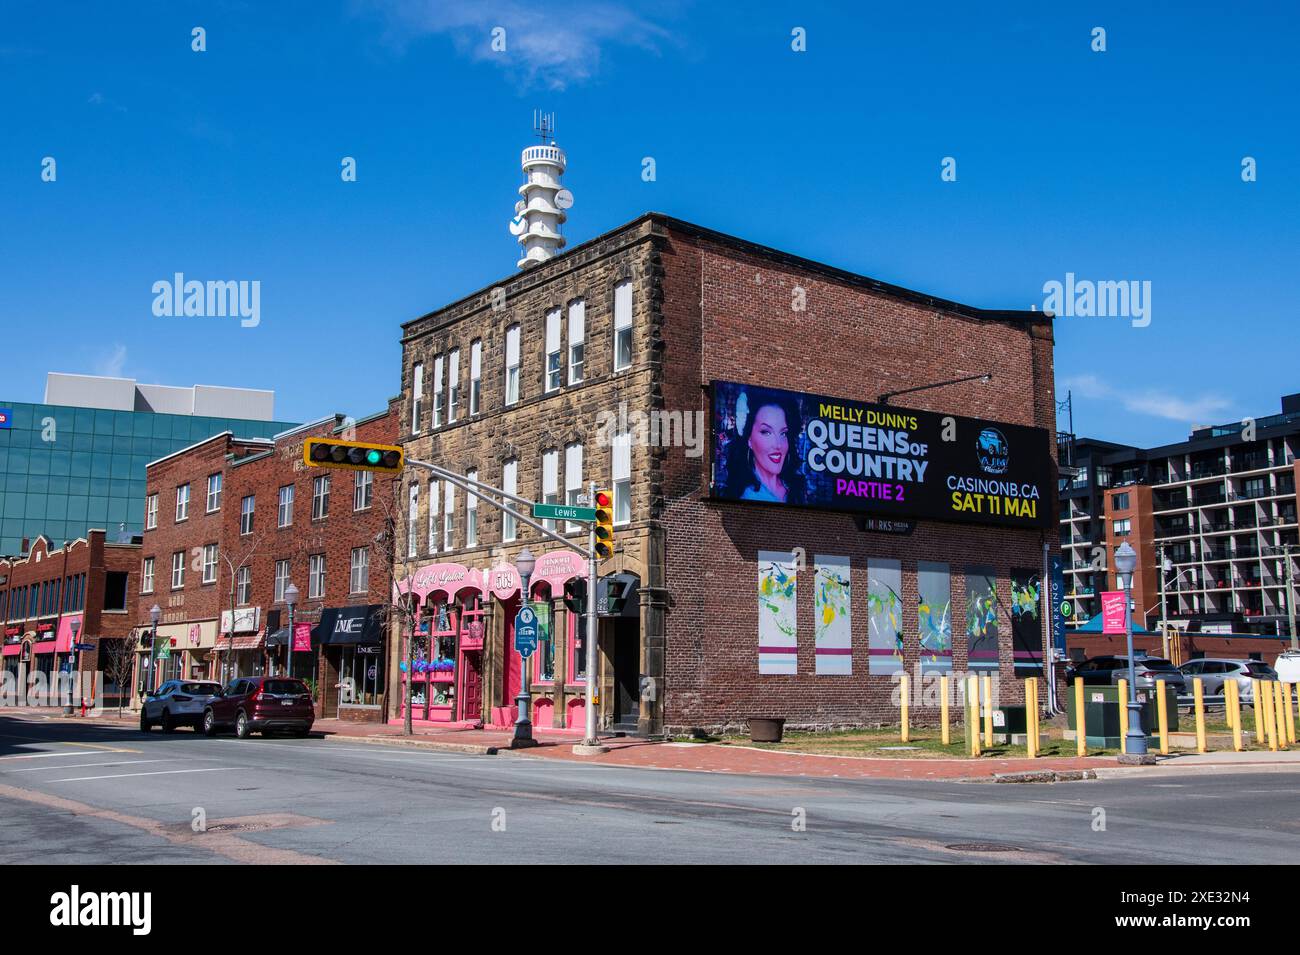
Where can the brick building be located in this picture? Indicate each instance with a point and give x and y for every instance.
(600, 365)
(231, 522)
(85, 589)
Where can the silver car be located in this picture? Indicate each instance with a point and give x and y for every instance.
(1109, 670)
(177, 703)
(1214, 672)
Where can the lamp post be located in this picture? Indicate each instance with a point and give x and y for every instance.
(524, 563)
(291, 600)
(155, 612)
(1135, 741)
(74, 654)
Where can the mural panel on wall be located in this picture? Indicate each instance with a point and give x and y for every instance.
(934, 616)
(832, 603)
(1026, 621)
(778, 645)
(982, 617)
(885, 615)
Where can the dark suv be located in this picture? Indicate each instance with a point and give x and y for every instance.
(261, 704)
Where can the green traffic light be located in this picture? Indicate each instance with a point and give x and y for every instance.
(373, 456)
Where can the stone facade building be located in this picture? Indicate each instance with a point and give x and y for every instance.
(596, 366)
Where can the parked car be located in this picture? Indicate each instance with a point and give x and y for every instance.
(1214, 673)
(1108, 671)
(260, 704)
(177, 703)
(1287, 666)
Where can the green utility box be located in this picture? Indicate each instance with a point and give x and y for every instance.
(1101, 706)
(1008, 720)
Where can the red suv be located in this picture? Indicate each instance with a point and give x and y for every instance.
(260, 704)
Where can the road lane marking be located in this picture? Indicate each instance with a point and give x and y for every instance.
(161, 772)
(45, 769)
(89, 752)
(104, 746)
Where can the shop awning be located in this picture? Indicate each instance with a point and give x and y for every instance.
(279, 638)
(359, 624)
(243, 641)
(13, 649)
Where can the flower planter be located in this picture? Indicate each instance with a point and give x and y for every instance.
(766, 730)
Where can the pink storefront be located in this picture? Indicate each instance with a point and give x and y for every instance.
(466, 671)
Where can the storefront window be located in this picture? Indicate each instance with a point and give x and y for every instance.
(361, 676)
(578, 641)
(545, 642)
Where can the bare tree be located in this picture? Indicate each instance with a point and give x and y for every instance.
(235, 561)
(120, 663)
(399, 606)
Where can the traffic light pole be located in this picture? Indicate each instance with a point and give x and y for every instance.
(589, 736)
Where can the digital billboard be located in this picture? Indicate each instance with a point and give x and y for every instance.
(786, 447)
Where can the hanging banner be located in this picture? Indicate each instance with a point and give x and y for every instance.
(1112, 612)
(301, 637)
(982, 617)
(778, 645)
(832, 615)
(787, 447)
(1056, 574)
(1026, 622)
(884, 616)
(934, 616)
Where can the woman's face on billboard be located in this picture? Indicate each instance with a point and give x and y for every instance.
(769, 441)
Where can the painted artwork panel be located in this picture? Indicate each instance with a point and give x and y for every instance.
(833, 605)
(934, 616)
(778, 644)
(885, 616)
(1026, 621)
(982, 617)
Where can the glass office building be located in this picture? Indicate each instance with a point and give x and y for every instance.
(66, 469)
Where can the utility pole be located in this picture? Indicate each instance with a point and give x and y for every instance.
(1164, 623)
(1290, 595)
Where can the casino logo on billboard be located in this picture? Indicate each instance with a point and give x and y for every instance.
(784, 447)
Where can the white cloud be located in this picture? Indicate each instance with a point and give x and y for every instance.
(1202, 409)
(111, 363)
(550, 44)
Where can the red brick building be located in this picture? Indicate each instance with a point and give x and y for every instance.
(83, 592)
(230, 523)
(605, 364)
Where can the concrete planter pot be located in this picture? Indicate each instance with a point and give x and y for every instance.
(766, 730)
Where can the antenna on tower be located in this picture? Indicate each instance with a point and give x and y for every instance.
(543, 125)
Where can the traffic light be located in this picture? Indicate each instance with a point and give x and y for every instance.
(617, 591)
(604, 525)
(352, 455)
(575, 596)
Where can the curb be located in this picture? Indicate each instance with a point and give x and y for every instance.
(1046, 776)
(471, 748)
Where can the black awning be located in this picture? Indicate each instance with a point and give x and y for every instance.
(279, 638)
(360, 624)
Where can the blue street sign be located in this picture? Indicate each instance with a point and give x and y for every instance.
(83, 646)
(526, 631)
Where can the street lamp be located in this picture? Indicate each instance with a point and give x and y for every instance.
(74, 653)
(291, 599)
(155, 612)
(1135, 740)
(524, 563)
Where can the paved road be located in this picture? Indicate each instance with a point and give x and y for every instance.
(82, 793)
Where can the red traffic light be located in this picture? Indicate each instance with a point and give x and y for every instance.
(603, 499)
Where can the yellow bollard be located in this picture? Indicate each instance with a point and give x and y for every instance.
(1031, 717)
(988, 712)
(1123, 712)
(902, 685)
(1265, 704)
(1254, 709)
(1290, 715)
(1279, 716)
(1163, 712)
(973, 713)
(1232, 705)
(943, 708)
(1080, 722)
(1198, 690)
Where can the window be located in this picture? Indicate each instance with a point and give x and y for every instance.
(359, 577)
(577, 332)
(509, 476)
(553, 349)
(182, 503)
(471, 513)
(214, 493)
(437, 392)
(114, 591)
(316, 576)
(320, 498)
(1122, 527)
(412, 519)
(363, 483)
(550, 482)
(453, 385)
(417, 396)
(281, 579)
(244, 586)
(512, 364)
(572, 481)
(1119, 502)
(284, 514)
(146, 576)
(433, 516)
(151, 512)
(448, 516)
(475, 375)
(246, 515)
(178, 570)
(622, 325)
(209, 563)
(622, 477)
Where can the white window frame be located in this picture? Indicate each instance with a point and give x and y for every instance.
(151, 512)
(417, 396)
(437, 391)
(320, 497)
(178, 570)
(146, 576)
(572, 481)
(623, 323)
(363, 486)
(209, 564)
(449, 517)
(281, 580)
(453, 385)
(244, 586)
(475, 376)
(413, 520)
(247, 508)
(471, 513)
(182, 502)
(433, 515)
(577, 339)
(284, 506)
(551, 371)
(316, 577)
(215, 482)
(359, 571)
(550, 482)
(621, 477)
(513, 342)
(509, 484)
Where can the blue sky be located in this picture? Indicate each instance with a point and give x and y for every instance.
(1122, 165)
